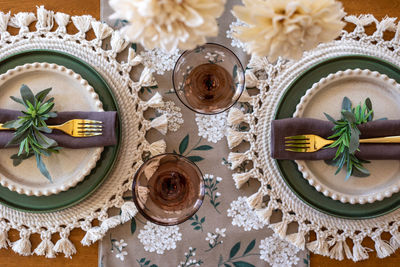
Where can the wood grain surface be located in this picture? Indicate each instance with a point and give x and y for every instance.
(87, 256)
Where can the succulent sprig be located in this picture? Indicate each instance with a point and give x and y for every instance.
(30, 127)
(347, 137)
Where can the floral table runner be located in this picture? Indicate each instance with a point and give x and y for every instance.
(225, 231)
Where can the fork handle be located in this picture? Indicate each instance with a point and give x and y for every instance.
(388, 139)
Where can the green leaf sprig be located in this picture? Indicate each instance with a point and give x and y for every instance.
(29, 128)
(348, 137)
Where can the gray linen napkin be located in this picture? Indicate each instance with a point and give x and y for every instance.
(296, 126)
(108, 138)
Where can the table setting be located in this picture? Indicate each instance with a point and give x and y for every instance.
(211, 133)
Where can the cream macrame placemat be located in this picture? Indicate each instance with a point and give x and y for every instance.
(134, 127)
(272, 80)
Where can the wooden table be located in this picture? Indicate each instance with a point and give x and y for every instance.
(87, 256)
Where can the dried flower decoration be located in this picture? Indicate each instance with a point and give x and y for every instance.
(286, 28)
(169, 24)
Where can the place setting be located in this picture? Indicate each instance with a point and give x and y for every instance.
(139, 135)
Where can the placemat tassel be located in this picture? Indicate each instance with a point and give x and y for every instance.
(241, 178)
(298, 239)
(160, 123)
(133, 58)
(245, 97)
(128, 211)
(235, 138)
(64, 245)
(359, 252)
(110, 223)
(319, 246)
(118, 42)
(382, 247)
(4, 18)
(255, 200)
(23, 245)
(92, 235)
(236, 159)
(101, 30)
(46, 247)
(280, 228)
(146, 78)
(4, 242)
(250, 79)
(336, 251)
(157, 147)
(22, 20)
(235, 116)
(82, 23)
(395, 239)
(265, 213)
(386, 23)
(154, 102)
(45, 19)
(62, 20)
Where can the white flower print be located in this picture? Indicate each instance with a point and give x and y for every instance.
(159, 60)
(244, 216)
(214, 238)
(212, 127)
(120, 244)
(235, 42)
(159, 238)
(174, 115)
(278, 252)
(121, 255)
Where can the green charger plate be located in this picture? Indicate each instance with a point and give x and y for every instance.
(108, 157)
(288, 168)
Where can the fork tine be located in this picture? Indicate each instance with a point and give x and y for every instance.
(296, 137)
(298, 145)
(84, 130)
(93, 126)
(89, 134)
(296, 149)
(91, 122)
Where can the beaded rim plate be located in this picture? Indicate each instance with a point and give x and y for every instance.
(288, 168)
(65, 199)
(321, 97)
(70, 166)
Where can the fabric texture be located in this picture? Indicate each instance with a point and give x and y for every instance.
(108, 137)
(298, 126)
(225, 231)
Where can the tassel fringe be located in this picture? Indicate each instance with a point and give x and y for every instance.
(22, 246)
(4, 18)
(245, 97)
(255, 200)
(160, 124)
(65, 246)
(359, 252)
(118, 43)
(92, 235)
(46, 247)
(44, 19)
(22, 20)
(101, 30)
(157, 147)
(134, 59)
(241, 178)
(382, 247)
(297, 239)
(280, 228)
(154, 102)
(128, 211)
(236, 159)
(236, 116)
(235, 138)
(62, 21)
(319, 246)
(82, 23)
(265, 213)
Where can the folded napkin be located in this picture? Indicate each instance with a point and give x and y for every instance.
(297, 126)
(108, 138)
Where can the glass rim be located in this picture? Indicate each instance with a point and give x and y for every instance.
(228, 107)
(144, 214)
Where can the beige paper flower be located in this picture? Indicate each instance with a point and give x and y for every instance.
(287, 27)
(169, 24)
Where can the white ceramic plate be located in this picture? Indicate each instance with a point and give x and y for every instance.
(71, 93)
(326, 96)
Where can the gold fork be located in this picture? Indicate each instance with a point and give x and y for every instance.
(312, 142)
(76, 128)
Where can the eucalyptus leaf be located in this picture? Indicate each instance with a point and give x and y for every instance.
(354, 141)
(346, 104)
(42, 168)
(27, 95)
(349, 116)
(42, 94)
